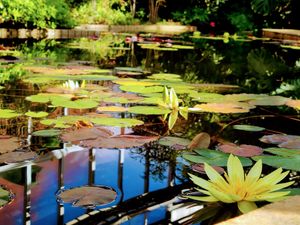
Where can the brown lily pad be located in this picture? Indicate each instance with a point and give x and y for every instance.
(199, 168)
(201, 140)
(88, 196)
(278, 138)
(14, 157)
(8, 143)
(242, 150)
(291, 144)
(120, 141)
(85, 133)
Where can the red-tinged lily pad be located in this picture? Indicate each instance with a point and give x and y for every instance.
(242, 150)
(14, 157)
(293, 103)
(291, 144)
(201, 140)
(85, 134)
(199, 168)
(278, 138)
(236, 107)
(8, 143)
(89, 196)
(120, 141)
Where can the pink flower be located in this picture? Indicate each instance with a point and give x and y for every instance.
(212, 24)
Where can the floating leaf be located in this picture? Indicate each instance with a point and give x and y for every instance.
(77, 104)
(213, 158)
(293, 103)
(148, 110)
(111, 109)
(270, 101)
(183, 46)
(242, 150)
(116, 122)
(134, 82)
(223, 107)
(246, 127)
(142, 89)
(46, 133)
(243, 97)
(286, 141)
(46, 97)
(14, 157)
(8, 144)
(201, 140)
(199, 167)
(174, 142)
(85, 134)
(207, 97)
(120, 141)
(89, 196)
(36, 114)
(165, 76)
(8, 114)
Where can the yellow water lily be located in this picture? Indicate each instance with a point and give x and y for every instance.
(237, 187)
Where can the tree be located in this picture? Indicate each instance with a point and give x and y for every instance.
(154, 6)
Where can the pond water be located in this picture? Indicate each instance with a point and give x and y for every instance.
(103, 109)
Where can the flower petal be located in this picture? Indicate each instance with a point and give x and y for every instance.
(200, 182)
(203, 198)
(221, 196)
(254, 173)
(246, 206)
(281, 186)
(235, 170)
(216, 178)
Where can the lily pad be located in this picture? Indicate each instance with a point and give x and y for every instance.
(207, 97)
(85, 134)
(199, 168)
(8, 144)
(201, 140)
(174, 142)
(293, 103)
(270, 101)
(246, 127)
(134, 82)
(242, 150)
(165, 76)
(88, 196)
(148, 110)
(8, 114)
(46, 133)
(46, 97)
(14, 157)
(117, 122)
(120, 141)
(213, 158)
(77, 104)
(36, 114)
(284, 141)
(142, 89)
(111, 109)
(222, 107)
(243, 97)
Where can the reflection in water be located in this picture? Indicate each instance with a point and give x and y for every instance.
(68, 168)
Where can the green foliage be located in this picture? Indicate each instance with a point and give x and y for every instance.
(50, 13)
(104, 12)
(191, 15)
(241, 21)
(11, 73)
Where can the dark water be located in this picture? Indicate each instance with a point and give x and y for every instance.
(160, 172)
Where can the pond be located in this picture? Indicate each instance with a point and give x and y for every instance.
(104, 130)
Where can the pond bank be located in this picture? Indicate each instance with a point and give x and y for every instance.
(283, 212)
(282, 34)
(92, 30)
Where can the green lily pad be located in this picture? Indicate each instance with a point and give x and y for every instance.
(174, 142)
(46, 133)
(117, 122)
(236, 107)
(64, 121)
(77, 104)
(134, 82)
(243, 97)
(142, 89)
(36, 114)
(246, 127)
(183, 46)
(148, 110)
(213, 157)
(207, 97)
(165, 76)
(8, 114)
(46, 97)
(270, 101)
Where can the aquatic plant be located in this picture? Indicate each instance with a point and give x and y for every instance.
(237, 187)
